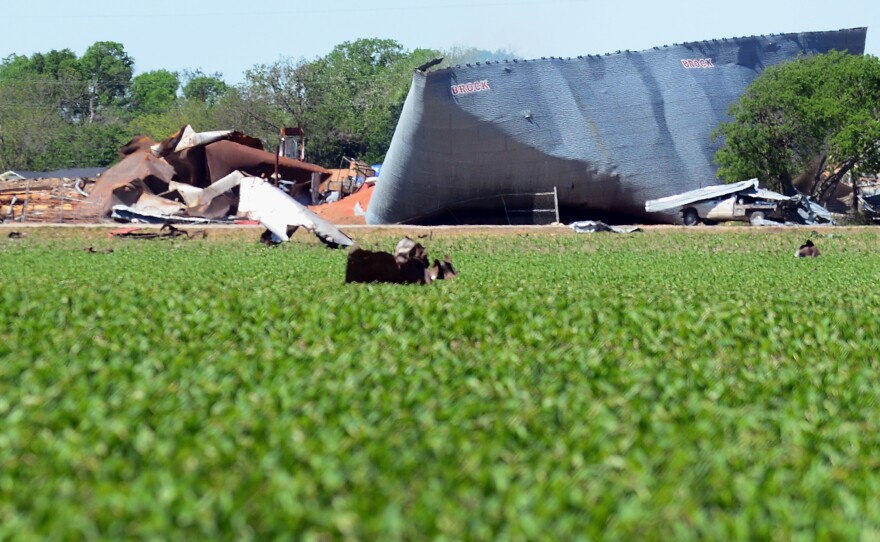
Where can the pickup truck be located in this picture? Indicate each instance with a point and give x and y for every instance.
(742, 201)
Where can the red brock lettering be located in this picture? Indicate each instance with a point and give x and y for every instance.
(470, 87)
(692, 63)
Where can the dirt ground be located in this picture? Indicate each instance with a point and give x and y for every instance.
(234, 232)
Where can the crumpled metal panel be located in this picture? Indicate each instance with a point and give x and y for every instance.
(139, 143)
(204, 168)
(594, 226)
(224, 157)
(274, 209)
(813, 213)
(130, 214)
(707, 192)
(137, 171)
(195, 197)
(763, 193)
(151, 203)
(190, 159)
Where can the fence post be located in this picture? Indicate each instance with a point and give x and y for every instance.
(316, 183)
(556, 204)
(504, 203)
(27, 198)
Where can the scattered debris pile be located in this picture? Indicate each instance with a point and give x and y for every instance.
(167, 231)
(869, 198)
(269, 205)
(345, 181)
(41, 200)
(349, 210)
(408, 265)
(152, 177)
(593, 226)
(201, 177)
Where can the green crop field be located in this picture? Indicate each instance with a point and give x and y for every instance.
(667, 385)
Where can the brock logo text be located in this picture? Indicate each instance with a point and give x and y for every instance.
(470, 88)
(697, 63)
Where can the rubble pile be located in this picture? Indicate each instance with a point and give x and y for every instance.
(189, 178)
(200, 177)
(151, 177)
(42, 200)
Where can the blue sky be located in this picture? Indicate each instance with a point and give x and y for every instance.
(231, 36)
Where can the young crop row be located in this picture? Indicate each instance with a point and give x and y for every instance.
(664, 385)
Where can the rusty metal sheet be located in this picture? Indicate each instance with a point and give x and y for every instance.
(134, 174)
(192, 161)
(137, 144)
(218, 208)
(187, 138)
(224, 157)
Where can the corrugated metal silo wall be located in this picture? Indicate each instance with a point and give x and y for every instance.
(607, 131)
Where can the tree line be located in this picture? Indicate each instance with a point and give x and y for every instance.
(61, 110)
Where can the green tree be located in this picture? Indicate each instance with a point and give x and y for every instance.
(272, 97)
(29, 118)
(53, 79)
(56, 64)
(348, 101)
(357, 93)
(92, 145)
(154, 92)
(199, 106)
(161, 125)
(107, 69)
(204, 88)
(821, 109)
(57, 110)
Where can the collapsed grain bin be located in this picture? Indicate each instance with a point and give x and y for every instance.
(604, 133)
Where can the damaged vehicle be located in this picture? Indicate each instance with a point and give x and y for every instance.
(743, 201)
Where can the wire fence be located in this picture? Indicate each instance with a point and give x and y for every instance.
(514, 209)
